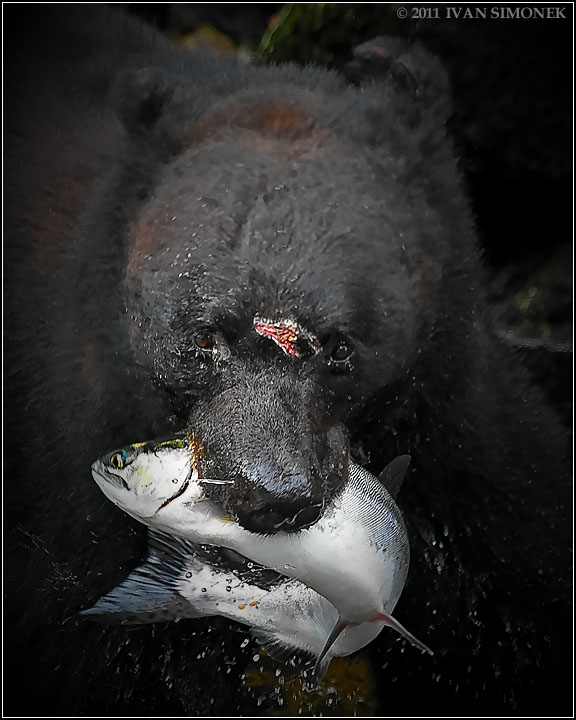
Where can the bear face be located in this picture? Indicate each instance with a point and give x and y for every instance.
(277, 240)
(362, 323)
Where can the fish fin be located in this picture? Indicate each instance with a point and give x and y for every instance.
(406, 634)
(150, 593)
(281, 650)
(323, 660)
(169, 550)
(394, 473)
(320, 669)
(209, 508)
(139, 599)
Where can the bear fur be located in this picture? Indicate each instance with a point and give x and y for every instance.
(154, 195)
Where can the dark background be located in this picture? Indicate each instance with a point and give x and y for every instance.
(512, 123)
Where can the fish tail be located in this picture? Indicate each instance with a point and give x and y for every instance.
(323, 660)
(393, 623)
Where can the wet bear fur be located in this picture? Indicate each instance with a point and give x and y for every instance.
(152, 193)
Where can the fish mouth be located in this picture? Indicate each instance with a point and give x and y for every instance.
(181, 490)
(111, 479)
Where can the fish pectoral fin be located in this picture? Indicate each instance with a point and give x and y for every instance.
(406, 634)
(323, 659)
(279, 649)
(394, 473)
(168, 551)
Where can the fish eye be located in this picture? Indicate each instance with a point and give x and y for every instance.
(118, 460)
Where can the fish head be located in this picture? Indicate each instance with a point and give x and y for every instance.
(144, 477)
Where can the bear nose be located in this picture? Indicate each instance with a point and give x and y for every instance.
(279, 496)
(277, 516)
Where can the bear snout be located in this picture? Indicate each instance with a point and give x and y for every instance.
(274, 437)
(271, 498)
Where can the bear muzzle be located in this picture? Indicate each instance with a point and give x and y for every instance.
(272, 499)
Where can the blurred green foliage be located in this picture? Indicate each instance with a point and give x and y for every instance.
(324, 33)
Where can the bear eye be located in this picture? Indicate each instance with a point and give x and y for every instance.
(204, 340)
(118, 460)
(341, 351)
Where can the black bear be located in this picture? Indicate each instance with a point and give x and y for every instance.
(287, 264)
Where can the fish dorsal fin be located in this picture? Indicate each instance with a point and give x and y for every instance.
(150, 593)
(394, 473)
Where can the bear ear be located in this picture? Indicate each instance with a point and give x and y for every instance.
(407, 68)
(141, 97)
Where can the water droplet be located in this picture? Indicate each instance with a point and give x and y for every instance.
(188, 574)
(203, 590)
